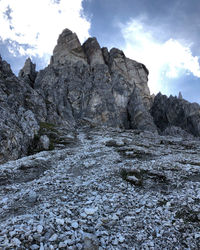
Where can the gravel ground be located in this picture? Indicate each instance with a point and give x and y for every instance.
(112, 189)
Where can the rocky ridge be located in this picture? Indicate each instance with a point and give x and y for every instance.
(84, 85)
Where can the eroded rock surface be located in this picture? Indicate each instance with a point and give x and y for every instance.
(18, 123)
(177, 112)
(68, 48)
(28, 72)
(114, 189)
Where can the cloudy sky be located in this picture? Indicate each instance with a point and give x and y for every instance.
(164, 35)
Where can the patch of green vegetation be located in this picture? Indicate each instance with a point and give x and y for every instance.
(126, 175)
(48, 102)
(45, 128)
(48, 126)
(187, 215)
(161, 203)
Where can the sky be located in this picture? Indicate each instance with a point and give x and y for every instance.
(163, 35)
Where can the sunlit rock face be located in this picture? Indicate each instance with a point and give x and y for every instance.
(93, 51)
(68, 48)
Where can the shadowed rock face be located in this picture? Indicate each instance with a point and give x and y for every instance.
(84, 85)
(18, 105)
(28, 72)
(173, 111)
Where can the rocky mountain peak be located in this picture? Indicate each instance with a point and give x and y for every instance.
(5, 70)
(93, 51)
(83, 86)
(28, 72)
(68, 48)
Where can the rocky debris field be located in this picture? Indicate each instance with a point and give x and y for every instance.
(111, 189)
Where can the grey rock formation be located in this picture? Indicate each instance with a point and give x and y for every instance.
(18, 123)
(177, 112)
(177, 131)
(82, 86)
(93, 52)
(180, 95)
(136, 74)
(140, 118)
(97, 88)
(28, 72)
(68, 48)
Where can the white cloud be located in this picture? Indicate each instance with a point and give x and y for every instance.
(39, 23)
(169, 59)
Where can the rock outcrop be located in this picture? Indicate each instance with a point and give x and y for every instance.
(18, 123)
(68, 48)
(140, 118)
(93, 51)
(84, 85)
(28, 72)
(93, 84)
(177, 112)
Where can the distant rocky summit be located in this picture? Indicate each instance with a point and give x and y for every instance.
(84, 85)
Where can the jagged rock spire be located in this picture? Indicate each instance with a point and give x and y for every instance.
(180, 95)
(93, 51)
(28, 72)
(68, 48)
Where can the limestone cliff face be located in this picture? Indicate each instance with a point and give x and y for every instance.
(82, 85)
(87, 82)
(68, 48)
(93, 52)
